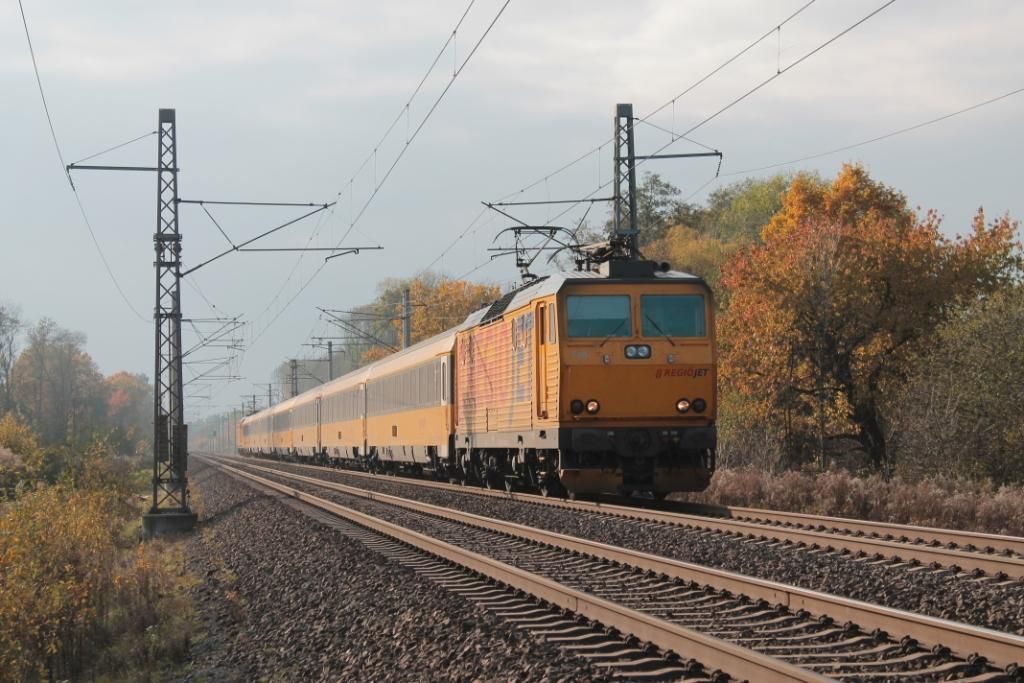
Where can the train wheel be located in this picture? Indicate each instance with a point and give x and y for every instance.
(550, 486)
(491, 474)
(509, 485)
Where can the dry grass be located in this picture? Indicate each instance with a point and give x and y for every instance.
(936, 501)
(80, 597)
(8, 458)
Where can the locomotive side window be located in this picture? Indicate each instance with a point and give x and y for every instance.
(598, 316)
(673, 315)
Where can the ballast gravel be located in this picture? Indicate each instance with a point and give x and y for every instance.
(283, 597)
(923, 591)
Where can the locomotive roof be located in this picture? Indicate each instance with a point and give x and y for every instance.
(551, 284)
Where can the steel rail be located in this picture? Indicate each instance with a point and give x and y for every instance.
(1001, 649)
(739, 662)
(966, 560)
(925, 533)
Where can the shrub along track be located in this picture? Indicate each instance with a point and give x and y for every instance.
(988, 601)
(686, 608)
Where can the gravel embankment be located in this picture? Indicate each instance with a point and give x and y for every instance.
(935, 594)
(284, 597)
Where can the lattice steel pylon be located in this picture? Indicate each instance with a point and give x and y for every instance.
(170, 510)
(624, 207)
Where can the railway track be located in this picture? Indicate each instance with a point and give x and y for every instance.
(753, 629)
(972, 553)
(622, 656)
(968, 541)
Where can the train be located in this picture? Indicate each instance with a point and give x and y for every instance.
(576, 383)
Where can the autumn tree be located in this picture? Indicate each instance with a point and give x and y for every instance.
(57, 386)
(657, 200)
(10, 327)
(377, 324)
(129, 412)
(657, 206)
(374, 354)
(738, 212)
(701, 239)
(825, 315)
(693, 252)
(445, 304)
(960, 410)
(438, 304)
(17, 437)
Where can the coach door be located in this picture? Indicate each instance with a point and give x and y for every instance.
(319, 423)
(540, 382)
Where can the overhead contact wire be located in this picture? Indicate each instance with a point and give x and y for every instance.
(597, 150)
(670, 102)
(737, 100)
(401, 154)
(879, 138)
(63, 165)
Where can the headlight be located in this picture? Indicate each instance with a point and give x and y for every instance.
(682, 405)
(638, 351)
(576, 406)
(593, 406)
(699, 405)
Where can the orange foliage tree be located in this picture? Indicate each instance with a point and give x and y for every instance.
(700, 239)
(688, 250)
(438, 304)
(849, 282)
(373, 354)
(129, 411)
(444, 304)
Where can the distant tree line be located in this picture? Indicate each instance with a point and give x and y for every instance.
(438, 304)
(51, 388)
(373, 331)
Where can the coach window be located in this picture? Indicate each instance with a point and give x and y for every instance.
(551, 324)
(598, 316)
(673, 315)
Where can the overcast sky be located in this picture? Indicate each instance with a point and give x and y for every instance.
(284, 101)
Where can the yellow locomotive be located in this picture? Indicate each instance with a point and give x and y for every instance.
(577, 382)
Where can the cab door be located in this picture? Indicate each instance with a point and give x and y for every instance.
(540, 382)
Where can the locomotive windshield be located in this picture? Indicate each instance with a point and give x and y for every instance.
(598, 316)
(673, 315)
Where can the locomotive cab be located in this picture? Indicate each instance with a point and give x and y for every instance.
(637, 395)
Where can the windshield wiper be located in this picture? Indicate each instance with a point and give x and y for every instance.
(658, 328)
(612, 333)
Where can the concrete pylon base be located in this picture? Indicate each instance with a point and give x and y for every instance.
(163, 522)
